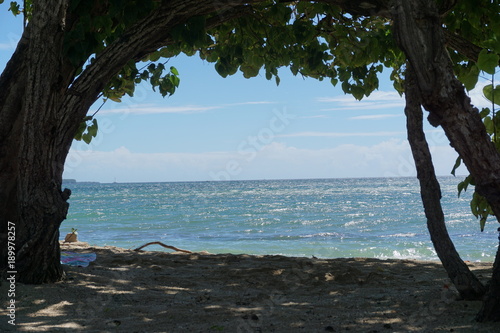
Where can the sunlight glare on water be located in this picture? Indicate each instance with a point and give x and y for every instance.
(366, 217)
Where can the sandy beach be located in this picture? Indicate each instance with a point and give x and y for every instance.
(153, 291)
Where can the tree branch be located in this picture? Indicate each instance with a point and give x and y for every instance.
(462, 45)
(144, 37)
(465, 281)
(363, 7)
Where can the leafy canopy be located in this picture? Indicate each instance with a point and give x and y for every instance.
(312, 39)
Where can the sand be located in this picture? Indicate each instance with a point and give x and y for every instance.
(150, 291)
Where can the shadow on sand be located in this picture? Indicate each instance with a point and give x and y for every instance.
(127, 291)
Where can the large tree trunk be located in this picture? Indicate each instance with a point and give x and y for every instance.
(465, 281)
(32, 148)
(418, 32)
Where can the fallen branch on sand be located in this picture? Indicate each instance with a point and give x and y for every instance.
(160, 243)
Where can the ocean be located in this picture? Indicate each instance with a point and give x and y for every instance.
(327, 218)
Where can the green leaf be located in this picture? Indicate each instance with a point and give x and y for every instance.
(455, 167)
(15, 8)
(462, 186)
(92, 130)
(174, 80)
(482, 223)
(221, 69)
(474, 205)
(357, 92)
(484, 112)
(249, 71)
(487, 61)
(145, 75)
(115, 99)
(493, 95)
(269, 75)
(154, 56)
(174, 70)
(480, 208)
(469, 77)
(87, 138)
(488, 123)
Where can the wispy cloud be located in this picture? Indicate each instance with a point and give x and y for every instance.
(322, 116)
(377, 100)
(250, 103)
(141, 109)
(375, 116)
(340, 134)
(389, 158)
(154, 109)
(7, 46)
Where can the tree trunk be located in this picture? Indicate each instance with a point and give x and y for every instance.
(490, 310)
(467, 284)
(32, 148)
(418, 33)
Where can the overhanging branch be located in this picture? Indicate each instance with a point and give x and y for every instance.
(462, 45)
(144, 37)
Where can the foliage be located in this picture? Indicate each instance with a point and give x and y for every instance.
(478, 22)
(313, 39)
(87, 130)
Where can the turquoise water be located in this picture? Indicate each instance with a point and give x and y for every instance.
(330, 218)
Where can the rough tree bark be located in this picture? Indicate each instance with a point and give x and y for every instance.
(31, 155)
(42, 106)
(418, 33)
(465, 281)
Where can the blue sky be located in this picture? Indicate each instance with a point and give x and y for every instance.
(235, 128)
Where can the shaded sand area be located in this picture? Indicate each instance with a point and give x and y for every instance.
(147, 291)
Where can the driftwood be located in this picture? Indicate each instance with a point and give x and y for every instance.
(160, 243)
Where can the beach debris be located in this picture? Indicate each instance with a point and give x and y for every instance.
(164, 245)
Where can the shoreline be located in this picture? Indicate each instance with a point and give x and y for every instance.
(128, 291)
(156, 248)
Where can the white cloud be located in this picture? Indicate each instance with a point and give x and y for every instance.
(7, 46)
(477, 97)
(340, 134)
(377, 100)
(375, 116)
(314, 117)
(250, 103)
(391, 99)
(140, 109)
(391, 158)
(153, 109)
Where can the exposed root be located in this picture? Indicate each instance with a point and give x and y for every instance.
(160, 243)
